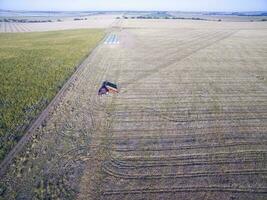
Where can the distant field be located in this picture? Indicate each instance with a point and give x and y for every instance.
(94, 22)
(33, 68)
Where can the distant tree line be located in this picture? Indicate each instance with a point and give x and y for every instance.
(160, 17)
(173, 17)
(77, 19)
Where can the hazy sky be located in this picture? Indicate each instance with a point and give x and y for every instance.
(181, 5)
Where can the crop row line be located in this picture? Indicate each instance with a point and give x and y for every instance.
(177, 102)
(189, 119)
(186, 140)
(181, 98)
(188, 147)
(180, 111)
(115, 174)
(194, 129)
(189, 156)
(248, 159)
(168, 136)
(163, 84)
(217, 188)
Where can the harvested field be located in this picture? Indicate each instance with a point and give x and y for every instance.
(189, 122)
(98, 22)
(8, 27)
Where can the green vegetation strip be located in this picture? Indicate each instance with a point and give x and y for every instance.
(34, 66)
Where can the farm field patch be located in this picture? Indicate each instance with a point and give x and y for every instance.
(34, 66)
(112, 39)
(93, 22)
(189, 121)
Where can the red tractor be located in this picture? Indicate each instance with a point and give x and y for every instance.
(108, 87)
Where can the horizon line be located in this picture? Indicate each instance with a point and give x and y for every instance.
(232, 11)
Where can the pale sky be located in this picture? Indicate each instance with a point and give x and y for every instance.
(179, 5)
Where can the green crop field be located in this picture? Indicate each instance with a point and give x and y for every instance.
(34, 66)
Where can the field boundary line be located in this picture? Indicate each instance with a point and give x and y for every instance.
(38, 121)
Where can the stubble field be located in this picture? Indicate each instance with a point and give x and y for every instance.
(189, 121)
